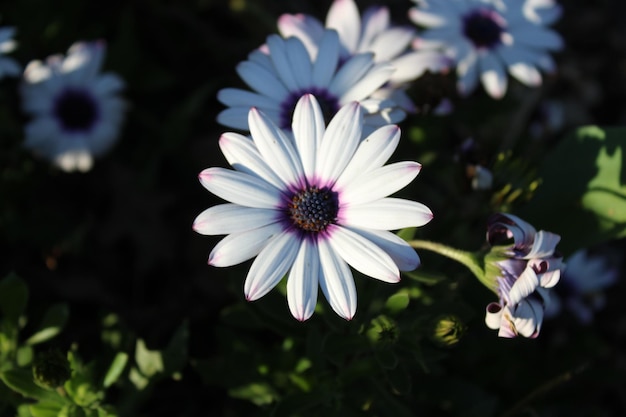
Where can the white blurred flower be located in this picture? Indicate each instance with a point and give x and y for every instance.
(370, 32)
(488, 38)
(76, 112)
(583, 285)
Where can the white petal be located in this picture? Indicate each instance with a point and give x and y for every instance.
(337, 282)
(303, 281)
(235, 97)
(528, 317)
(277, 150)
(278, 54)
(107, 84)
(306, 28)
(493, 316)
(271, 265)
(343, 16)
(235, 117)
(239, 247)
(363, 255)
(467, 72)
(413, 65)
(240, 188)
(493, 76)
(243, 155)
(372, 153)
(540, 38)
(378, 183)
(262, 80)
(403, 255)
(232, 218)
(300, 63)
(340, 141)
(308, 131)
(327, 59)
(385, 214)
(543, 245)
(376, 77)
(391, 43)
(351, 72)
(375, 20)
(427, 19)
(525, 285)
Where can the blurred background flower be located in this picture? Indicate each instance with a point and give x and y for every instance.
(487, 39)
(76, 112)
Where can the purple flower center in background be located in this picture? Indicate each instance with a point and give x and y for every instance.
(328, 103)
(313, 209)
(483, 27)
(76, 109)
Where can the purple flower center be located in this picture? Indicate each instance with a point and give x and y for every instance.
(483, 27)
(327, 101)
(313, 209)
(76, 109)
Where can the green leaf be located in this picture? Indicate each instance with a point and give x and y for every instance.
(583, 192)
(21, 381)
(52, 323)
(116, 369)
(45, 409)
(259, 393)
(13, 297)
(397, 302)
(175, 354)
(149, 362)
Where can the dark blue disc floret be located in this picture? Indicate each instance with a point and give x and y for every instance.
(483, 27)
(76, 109)
(313, 209)
(327, 101)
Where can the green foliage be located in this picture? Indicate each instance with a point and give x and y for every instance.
(583, 192)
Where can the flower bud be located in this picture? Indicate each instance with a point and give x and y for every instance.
(51, 369)
(520, 267)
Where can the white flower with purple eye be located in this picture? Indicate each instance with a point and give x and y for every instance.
(283, 71)
(311, 203)
(521, 265)
(487, 38)
(373, 32)
(76, 111)
(582, 286)
(8, 66)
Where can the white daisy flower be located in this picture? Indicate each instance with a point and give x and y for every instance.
(8, 66)
(487, 38)
(310, 203)
(282, 71)
(373, 32)
(76, 111)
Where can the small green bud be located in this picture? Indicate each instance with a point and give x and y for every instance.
(51, 369)
(447, 330)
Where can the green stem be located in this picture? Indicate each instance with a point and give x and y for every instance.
(469, 259)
